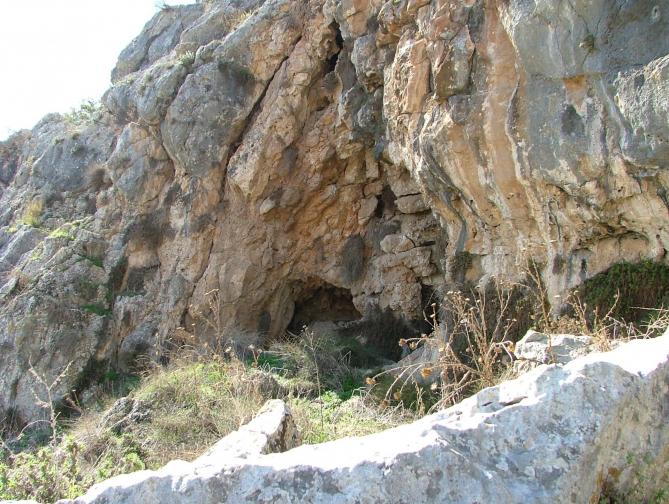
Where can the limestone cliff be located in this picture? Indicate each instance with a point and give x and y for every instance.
(265, 163)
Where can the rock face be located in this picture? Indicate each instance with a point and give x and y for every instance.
(264, 164)
(557, 434)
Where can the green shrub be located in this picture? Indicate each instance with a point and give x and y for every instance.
(62, 232)
(187, 58)
(46, 475)
(121, 455)
(37, 253)
(628, 290)
(95, 261)
(88, 112)
(272, 362)
(97, 309)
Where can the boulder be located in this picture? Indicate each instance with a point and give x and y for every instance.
(537, 348)
(409, 368)
(559, 434)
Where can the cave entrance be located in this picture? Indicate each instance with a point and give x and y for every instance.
(366, 341)
(319, 301)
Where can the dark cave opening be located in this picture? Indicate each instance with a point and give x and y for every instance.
(319, 301)
(376, 335)
(387, 203)
(373, 338)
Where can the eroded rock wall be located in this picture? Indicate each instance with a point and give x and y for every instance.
(254, 156)
(517, 120)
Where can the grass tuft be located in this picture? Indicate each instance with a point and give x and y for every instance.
(32, 215)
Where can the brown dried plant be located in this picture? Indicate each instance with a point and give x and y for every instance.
(48, 403)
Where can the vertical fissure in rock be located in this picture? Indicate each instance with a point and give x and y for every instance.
(339, 40)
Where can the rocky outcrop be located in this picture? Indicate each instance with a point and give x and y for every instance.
(264, 164)
(556, 434)
(159, 37)
(533, 147)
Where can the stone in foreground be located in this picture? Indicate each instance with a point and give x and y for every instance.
(557, 434)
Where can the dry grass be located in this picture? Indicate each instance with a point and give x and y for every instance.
(476, 337)
(478, 350)
(233, 20)
(473, 351)
(316, 358)
(186, 418)
(606, 330)
(337, 405)
(190, 404)
(198, 398)
(329, 417)
(32, 214)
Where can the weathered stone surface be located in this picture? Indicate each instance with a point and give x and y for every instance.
(10, 156)
(537, 348)
(396, 243)
(65, 166)
(451, 67)
(55, 314)
(642, 95)
(211, 108)
(412, 204)
(16, 245)
(272, 430)
(124, 413)
(222, 18)
(148, 96)
(556, 434)
(157, 39)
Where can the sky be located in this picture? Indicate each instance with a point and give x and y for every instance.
(55, 54)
